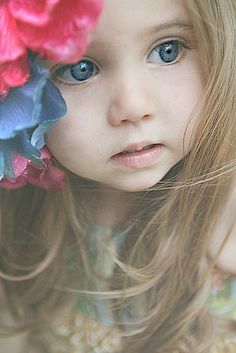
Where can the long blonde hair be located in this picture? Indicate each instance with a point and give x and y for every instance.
(163, 266)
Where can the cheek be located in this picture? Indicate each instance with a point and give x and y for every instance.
(62, 146)
(184, 92)
(57, 142)
(73, 140)
(184, 95)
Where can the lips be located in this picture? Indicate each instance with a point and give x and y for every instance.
(136, 148)
(138, 156)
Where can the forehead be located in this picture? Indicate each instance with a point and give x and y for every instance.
(131, 16)
(125, 20)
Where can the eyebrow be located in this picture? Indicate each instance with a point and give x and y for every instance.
(167, 25)
(173, 24)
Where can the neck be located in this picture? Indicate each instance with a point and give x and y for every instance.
(107, 206)
(112, 208)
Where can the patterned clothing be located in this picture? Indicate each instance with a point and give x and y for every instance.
(78, 334)
(223, 303)
(89, 327)
(223, 299)
(225, 345)
(73, 332)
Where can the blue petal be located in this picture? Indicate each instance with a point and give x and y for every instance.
(27, 113)
(22, 108)
(1, 165)
(20, 144)
(53, 108)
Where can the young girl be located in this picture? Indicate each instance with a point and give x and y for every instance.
(136, 252)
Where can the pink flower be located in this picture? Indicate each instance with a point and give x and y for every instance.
(56, 29)
(47, 177)
(13, 74)
(35, 12)
(11, 45)
(13, 68)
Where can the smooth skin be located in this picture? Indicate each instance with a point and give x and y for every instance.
(133, 96)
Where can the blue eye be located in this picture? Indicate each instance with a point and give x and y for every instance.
(166, 53)
(76, 73)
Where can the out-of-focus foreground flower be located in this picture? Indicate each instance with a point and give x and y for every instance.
(26, 114)
(29, 102)
(56, 29)
(47, 177)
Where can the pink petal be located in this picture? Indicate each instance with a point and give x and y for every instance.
(45, 153)
(48, 178)
(19, 164)
(4, 89)
(11, 46)
(19, 167)
(68, 51)
(16, 73)
(35, 12)
(54, 179)
(64, 38)
(12, 184)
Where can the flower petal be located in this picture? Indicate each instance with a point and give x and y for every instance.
(4, 89)
(12, 184)
(22, 107)
(26, 115)
(19, 144)
(48, 178)
(2, 164)
(36, 12)
(11, 46)
(15, 73)
(19, 164)
(53, 108)
(63, 40)
(24, 147)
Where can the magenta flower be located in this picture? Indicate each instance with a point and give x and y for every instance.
(29, 103)
(56, 29)
(47, 177)
(13, 57)
(13, 74)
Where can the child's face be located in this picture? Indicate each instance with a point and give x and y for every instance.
(136, 86)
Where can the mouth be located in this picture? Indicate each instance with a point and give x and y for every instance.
(137, 156)
(135, 149)
(132, 151)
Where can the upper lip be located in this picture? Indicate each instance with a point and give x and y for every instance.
(136, 146)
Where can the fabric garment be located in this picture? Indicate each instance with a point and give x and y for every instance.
(89, 326)
(73, 332)
(223, 303)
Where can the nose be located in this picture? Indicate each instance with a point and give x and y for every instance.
(130, 100)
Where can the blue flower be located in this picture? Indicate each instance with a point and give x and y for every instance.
(26, 114)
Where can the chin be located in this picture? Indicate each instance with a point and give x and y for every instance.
(140, 181)
(134, 187)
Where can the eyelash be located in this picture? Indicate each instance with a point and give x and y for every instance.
(183, 47)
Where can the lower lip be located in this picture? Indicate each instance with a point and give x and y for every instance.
(139, 159)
